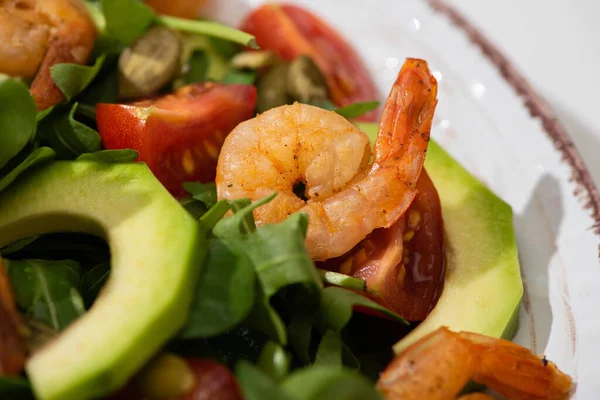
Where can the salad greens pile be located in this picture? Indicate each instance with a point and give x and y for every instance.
(260, 305)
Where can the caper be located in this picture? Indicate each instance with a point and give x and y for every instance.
(254, 59)
(272, 88)
(305, 82)
(165, 377)
(151, 62)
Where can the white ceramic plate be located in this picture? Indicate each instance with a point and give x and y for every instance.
(491, 120)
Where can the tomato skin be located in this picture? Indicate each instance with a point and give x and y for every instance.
(410, 289)
(178, 135)
(177, 8)
(291, 31)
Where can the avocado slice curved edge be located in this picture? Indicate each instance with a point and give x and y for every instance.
(482, 287)
(157, 250)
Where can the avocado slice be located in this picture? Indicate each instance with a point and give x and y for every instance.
(483, 287)
(156, 252)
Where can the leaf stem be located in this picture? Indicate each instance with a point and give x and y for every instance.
(345, 281)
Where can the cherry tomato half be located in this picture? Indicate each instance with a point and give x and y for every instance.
(178, 135)
(291, 31)
(404, 264)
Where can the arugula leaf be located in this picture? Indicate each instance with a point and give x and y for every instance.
(274, 360)
(67, 136)
(72, 79)
(17, 119)
(208, 28)
(324, 104)
(329, 352)
(324, 383)
(214, 214)
(194, 207)
(198, 67)
(355, 110)
(240, 77)
(47, 291)
(256, 384)
(204, 192)
(126, 20)
(224, 294)
(345, 281)
(110, 156)
(336, 308)
(15, 388)
(39, 156)
(93, 281)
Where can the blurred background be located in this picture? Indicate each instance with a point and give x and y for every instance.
(554, 43)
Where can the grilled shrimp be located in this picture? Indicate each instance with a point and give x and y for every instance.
(438, 366)
(345, 198)
(36, 34)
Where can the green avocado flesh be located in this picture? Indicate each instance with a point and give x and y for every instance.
(482, 287)
(156, 251)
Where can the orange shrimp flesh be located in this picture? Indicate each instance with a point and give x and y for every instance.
(439, 365)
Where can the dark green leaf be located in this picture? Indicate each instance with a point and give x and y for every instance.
(16, 388)
(72, 79)
(345, 281)
(256, 384)
(43, 114)
(38, 156)
(47, 291)
(126, 20)
(105, 89)
(195, 207)
(17, 119)
(336, 308)
(198, 67)
(300, 331)
(274, 361)
(325, 104)
(325, 383)
(264, 318)
(87, 111)
(208, 28)
(214, 214)
(240, 77)
(224, 294)
(93, 281)
(205, 192)
(226, 48)
(355, 110)
(329, 352)
(16, 246)
(110, 156)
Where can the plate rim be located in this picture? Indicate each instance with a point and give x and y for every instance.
(585, 189)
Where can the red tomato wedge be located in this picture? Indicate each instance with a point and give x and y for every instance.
(178, 135)
(403, 265)
(291, 31)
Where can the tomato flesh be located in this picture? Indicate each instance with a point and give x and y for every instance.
(178, 135)
(404, 264)
(291, 31)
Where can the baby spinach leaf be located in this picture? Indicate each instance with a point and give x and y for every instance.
(110, 156)
(47, 291)
(198, 67)
(324, 383)
(324, 104)
(240, 77)
(274, 361)
(15, 388)
(104, 89)
(336, 308)
(224, 294)
(205, 192)
(93, 281)
(329, 352)
(17, 119)
(208, 28)
(300, 331)
(72, 79)
(257, 385)
(39, 156)
(355, 110)
(126, 20)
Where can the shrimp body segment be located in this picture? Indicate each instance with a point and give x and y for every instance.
(345, 198)
(36, 34)
(438, 366)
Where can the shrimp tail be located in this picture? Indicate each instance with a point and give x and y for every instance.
(405, 124)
